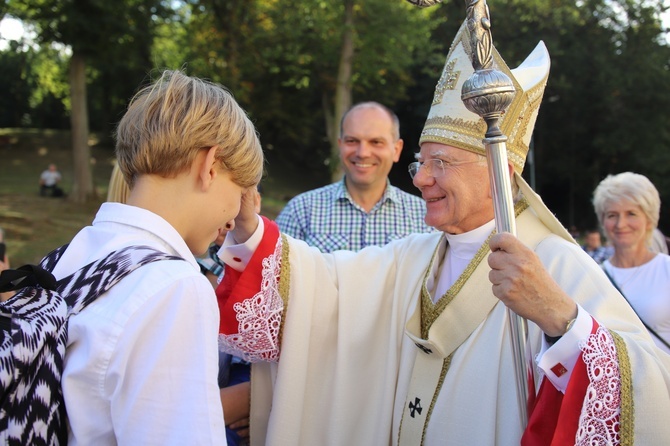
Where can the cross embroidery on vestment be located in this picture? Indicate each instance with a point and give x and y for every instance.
(426, 350)
(415, 407)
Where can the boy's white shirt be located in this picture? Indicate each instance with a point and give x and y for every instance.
(141, 364)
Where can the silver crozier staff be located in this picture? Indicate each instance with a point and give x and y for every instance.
(488, 93)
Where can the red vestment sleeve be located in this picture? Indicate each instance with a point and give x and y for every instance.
(554, 418)
(236, 286)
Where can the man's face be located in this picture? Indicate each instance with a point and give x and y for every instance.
(458, 197)
(367, 147)
(593, 240)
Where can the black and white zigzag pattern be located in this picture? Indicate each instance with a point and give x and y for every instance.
(32, 410)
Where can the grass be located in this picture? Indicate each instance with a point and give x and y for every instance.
(35, 225)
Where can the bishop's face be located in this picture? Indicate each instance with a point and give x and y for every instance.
(456, 188)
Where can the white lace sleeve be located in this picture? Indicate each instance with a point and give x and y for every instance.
(598, 422)
(259, 317)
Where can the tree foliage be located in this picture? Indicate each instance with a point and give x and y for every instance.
(608, 81)
(604, 109)
(93, 30)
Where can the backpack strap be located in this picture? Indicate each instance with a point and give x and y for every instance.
(49, 261)
(26, 275)
(32, 275)
(33, 343)
(85, 285)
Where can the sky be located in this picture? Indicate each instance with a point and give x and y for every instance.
(10, 29)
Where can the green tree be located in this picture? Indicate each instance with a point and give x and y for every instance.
(91, 29)
(606, 100)
(310, 59)
(369, 63)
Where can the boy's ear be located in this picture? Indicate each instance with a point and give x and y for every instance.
(207, 169)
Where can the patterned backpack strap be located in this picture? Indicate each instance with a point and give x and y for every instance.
(32, 275)
(85, 285)
(49, 261)
(32, 352)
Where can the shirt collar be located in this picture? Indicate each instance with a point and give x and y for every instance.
(143, 219)
(466, 245)
(390, 193)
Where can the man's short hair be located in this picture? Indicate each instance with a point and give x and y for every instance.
(395, 122)
(168, 122)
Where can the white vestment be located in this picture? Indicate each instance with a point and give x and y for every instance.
(351, 333)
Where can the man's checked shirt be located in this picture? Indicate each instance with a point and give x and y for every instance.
(329, 219)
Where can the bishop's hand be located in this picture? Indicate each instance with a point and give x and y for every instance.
(246, 221)
(522, 283)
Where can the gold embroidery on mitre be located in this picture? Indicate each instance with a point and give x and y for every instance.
(447, 81)
(431, 311)
(518, 123)
(456, 132)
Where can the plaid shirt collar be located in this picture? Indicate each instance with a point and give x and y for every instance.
(390, 193)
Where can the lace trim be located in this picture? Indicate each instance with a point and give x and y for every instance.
(259, 317)
(599, 421)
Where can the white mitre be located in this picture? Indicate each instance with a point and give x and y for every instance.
(449, 122)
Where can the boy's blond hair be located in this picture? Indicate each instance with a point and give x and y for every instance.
(168, 122)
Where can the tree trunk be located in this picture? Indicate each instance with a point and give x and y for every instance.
(82, 185)
(343, 88)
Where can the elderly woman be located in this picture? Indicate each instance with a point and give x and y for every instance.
(627, 206)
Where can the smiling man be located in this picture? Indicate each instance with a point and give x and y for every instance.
(363, 209)
(407, 344)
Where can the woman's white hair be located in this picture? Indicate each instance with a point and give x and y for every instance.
(629, 186)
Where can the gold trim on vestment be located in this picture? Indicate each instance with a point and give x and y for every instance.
(431, 311)
(284, 284)
(443, 375)
(627, 415)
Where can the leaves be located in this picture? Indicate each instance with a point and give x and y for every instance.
(605, 106)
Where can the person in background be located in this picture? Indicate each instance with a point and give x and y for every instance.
(408, 343)
(593, 246)
(659, 242)
(117, 189)
(143, 357)
(628, 207)
(362, 209)
(574, 232)
(49, 180)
